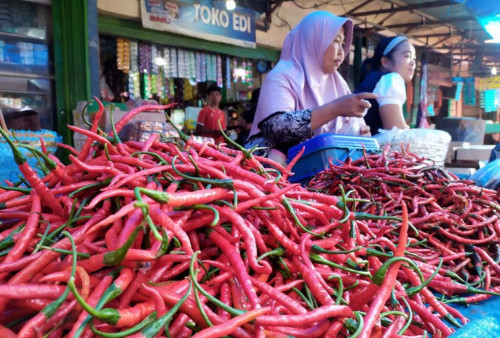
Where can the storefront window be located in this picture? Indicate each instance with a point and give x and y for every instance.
(26, 80)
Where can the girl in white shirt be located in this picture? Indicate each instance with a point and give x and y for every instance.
(385, 74)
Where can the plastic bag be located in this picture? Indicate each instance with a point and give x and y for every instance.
(488, 176)
(8, 167)
(353, 127)
(428, 143)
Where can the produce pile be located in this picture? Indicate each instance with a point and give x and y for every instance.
(149, 239)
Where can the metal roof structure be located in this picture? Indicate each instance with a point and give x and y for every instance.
(444, 26)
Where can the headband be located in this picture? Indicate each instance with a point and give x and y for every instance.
(393, 44)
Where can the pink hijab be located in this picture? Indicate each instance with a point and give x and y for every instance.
(298, 82)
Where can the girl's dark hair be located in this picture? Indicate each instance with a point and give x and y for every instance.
(375, 62)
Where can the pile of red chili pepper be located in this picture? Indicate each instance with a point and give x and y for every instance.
(178, 239)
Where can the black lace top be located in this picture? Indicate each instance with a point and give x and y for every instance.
(281, 131)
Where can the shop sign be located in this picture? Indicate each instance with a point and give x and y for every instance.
(203, 19)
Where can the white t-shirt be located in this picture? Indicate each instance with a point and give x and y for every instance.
(390, 89)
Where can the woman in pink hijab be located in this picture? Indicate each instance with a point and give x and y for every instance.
(304, 95)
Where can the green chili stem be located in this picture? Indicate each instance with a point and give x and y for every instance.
(117, 256)
(198, 302)
(230, 310)
(145, 212)
(125, 333)
(65, 252)
(164, 320)
(23, 190)
(416, 289)
(410, 317)
(379, 275)
(290, 209)
(275, 252)
(318, 259)
(215, 221)
(359, 319)
(340, 292)
(393, 312)
(304, 298)
(225, 183)
(50, 309)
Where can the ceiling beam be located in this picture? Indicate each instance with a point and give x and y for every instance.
(430, 4)
(387, 17)
(428, 22)
(433, 35)
(357, 7)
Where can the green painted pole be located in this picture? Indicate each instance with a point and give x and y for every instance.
(72, 71)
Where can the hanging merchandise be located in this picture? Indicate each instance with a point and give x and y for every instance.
(210, 75)
(171, 88)
(220, 78)
(146, 86)
(235, 70)
(188, 90)
(181, 64)
(192, 66)
(490, 102)
(145, 61)
(154, 83)
(198, 67)
(458, 91)
(173, 63)
(203, 67)
(249, 74)
(469, 91)
(243, 74)
(219, 70)
(489, 83)
(166, 62)
(123, 54)
(154, 59)
(160, 83)
(228, 73)
(134, 86)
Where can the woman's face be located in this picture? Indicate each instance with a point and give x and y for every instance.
(334, 54)
(402, 61)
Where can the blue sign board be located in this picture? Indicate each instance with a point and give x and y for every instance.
(205, 19)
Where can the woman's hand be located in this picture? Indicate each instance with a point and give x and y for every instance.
(365, 131)
(354, 105)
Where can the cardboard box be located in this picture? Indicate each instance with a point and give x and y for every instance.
(474, 153)
(452, 150)
(463, 173)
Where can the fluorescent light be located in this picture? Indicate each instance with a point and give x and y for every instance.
(240, 72)
(159, 61)
(493, 28)
(230, 5)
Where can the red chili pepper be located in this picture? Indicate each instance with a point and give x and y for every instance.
(384, 292)
(231, 325)
(28, 233)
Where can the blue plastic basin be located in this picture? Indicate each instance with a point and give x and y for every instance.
(321, 149)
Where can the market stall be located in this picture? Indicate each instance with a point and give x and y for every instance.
(141, 237)
(145, 230)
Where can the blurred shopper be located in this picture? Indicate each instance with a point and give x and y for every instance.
(209, 117)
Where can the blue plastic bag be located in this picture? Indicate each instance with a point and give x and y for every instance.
(488, 176)
(8, 167)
